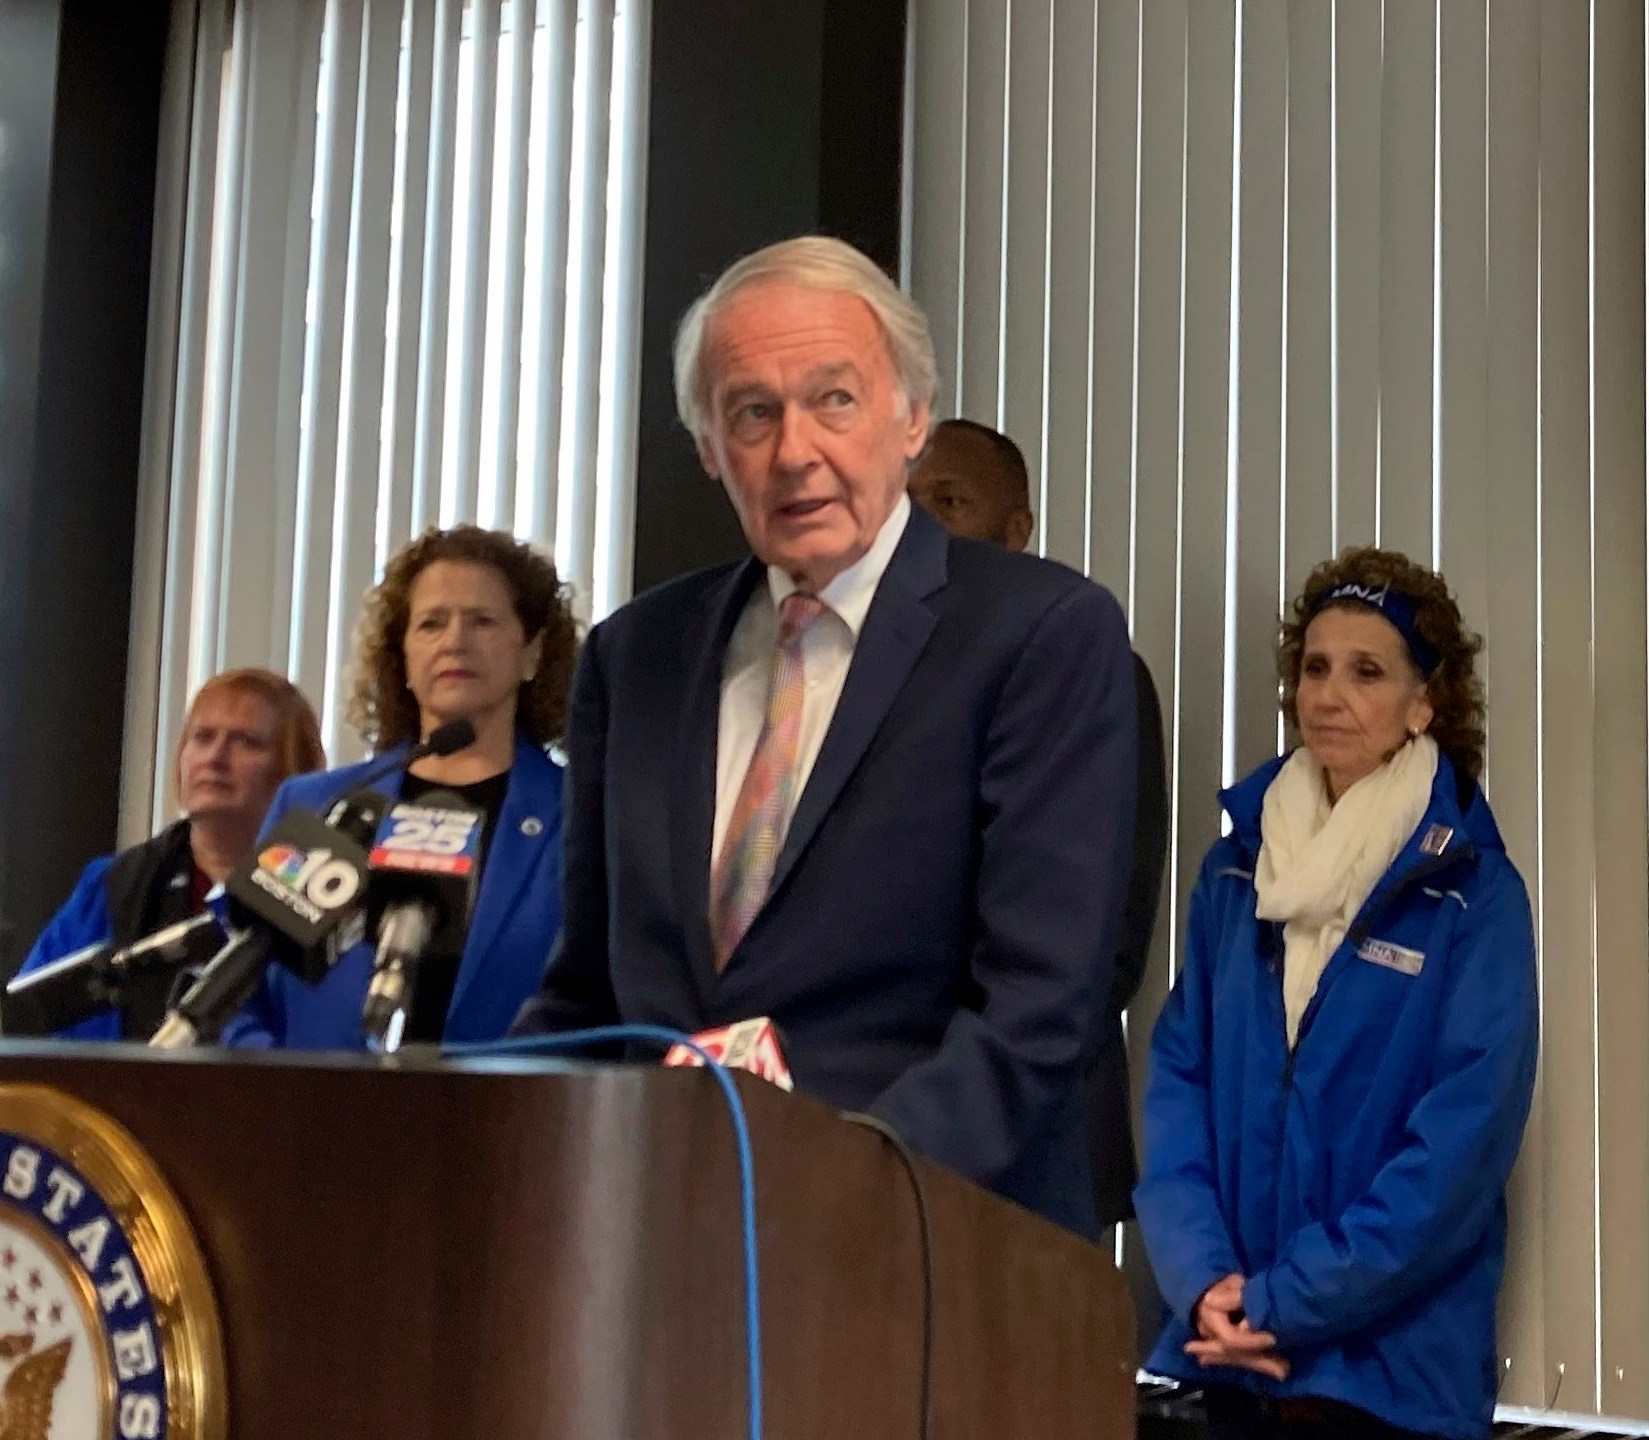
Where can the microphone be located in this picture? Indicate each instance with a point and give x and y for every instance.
(219, 991)
(299, 900)
(94, 979)
(424, 864)
(751, 1045)
(446, 739)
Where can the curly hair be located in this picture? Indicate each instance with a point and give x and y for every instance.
(381, 707)
(1453, 688)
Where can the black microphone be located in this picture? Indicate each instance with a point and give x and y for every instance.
(424, 869)
(94, 979)
(299, 899)
(446, 739)
(219, 991)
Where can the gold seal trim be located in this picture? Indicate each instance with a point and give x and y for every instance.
(158, 1230)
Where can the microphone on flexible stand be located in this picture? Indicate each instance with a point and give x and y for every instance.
(94, 979)
(446, 739)
(424, 869)
(298, 900)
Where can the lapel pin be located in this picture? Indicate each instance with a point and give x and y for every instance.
(532, 825)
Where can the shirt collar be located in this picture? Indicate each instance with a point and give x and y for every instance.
(850, 593)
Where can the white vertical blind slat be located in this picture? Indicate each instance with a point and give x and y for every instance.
(1263, 118)
(323, 359)
(1154, 560)
(1620, 642)
(253, 566)
(1154, 579)
(1510, 623)
(192, 362)
(175, 183)
(1025, 292)
(979, 372)
(1357, 167)
(1191, 738)
(469, 377)
(1567, 811)
(513, 281)
(615, 536)
(355, 515)
(1063, 505)
(206, 648)
(1193, 734)
(429, 449)
(577, 543)
(559, 21)
(1308, 528)
(294, 281)
(1116, 196)
(416, 165)
(1463, 269)
(1407, 188)
(938, 36)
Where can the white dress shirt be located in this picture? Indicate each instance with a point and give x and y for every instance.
(827, 651)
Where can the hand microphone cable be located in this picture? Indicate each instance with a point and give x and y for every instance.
(575, 1040)
(919, 1193)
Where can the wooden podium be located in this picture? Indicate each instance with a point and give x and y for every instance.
(529, 1250)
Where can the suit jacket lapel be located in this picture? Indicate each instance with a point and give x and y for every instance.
(895, 632)
(693, 776)
(517, 849)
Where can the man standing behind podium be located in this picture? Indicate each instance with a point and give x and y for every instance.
(873, 782)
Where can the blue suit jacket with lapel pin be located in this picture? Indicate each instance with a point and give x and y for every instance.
(937, 942)
(517, 915)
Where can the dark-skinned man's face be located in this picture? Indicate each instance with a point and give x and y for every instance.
(963, 483)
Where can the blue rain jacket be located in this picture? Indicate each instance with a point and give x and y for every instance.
(1358, 1182)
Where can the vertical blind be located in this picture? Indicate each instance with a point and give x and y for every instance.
(1253, 280)
(396, 284)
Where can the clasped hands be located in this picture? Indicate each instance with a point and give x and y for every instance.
(1224, 1336)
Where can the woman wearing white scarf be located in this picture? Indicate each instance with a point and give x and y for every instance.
(1340, 1078)
(1322, 858)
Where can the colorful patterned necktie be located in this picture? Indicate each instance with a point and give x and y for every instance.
(744, 869)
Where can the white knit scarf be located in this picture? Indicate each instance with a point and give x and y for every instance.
(1318, 863)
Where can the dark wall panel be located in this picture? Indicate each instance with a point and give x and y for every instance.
(861, 125)
(70, 465)
(767, 120)
(28, 66)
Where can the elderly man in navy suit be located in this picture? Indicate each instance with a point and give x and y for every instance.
(873, 782)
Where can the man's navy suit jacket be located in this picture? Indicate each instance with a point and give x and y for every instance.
(937, 943)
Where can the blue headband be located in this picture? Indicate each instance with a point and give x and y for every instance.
(1397, 607)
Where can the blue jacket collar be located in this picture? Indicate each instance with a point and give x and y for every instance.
(529, 821)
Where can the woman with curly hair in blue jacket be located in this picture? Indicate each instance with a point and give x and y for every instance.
(1341, 1075)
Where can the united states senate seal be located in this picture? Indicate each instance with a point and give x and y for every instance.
(108, 1326)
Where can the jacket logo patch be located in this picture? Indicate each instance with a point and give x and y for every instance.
(1393, 957)
(1436, 840)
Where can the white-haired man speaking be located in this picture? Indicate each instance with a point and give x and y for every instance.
(873, 782)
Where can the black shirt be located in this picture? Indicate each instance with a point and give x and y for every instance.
(177, 892)
(438, 971)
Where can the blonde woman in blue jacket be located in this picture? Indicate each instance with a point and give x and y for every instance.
(1341, 1075)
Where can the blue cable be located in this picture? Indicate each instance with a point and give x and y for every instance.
(574, 1040)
